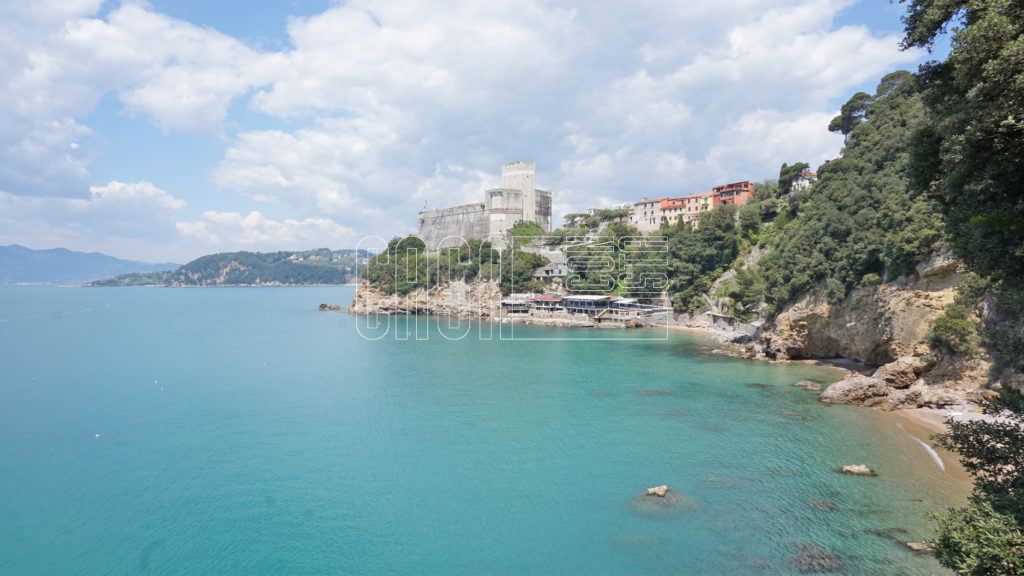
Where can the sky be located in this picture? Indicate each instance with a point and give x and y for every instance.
(170, 129)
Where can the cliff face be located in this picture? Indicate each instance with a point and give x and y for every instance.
(875, 325)
(884, 326)
(474, 300)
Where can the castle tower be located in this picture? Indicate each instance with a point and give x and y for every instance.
(518, 199)
(521, 176)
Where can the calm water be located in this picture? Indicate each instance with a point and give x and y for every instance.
(201, 431)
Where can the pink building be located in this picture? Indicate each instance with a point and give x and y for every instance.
(647, 215)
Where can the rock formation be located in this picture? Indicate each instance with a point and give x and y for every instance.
(875, 324)
(658, 491)
(473, 300)
(857, 470)
(885, 326)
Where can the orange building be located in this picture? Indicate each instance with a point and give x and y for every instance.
(649, 215)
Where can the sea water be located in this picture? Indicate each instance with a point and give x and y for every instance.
(242, 431)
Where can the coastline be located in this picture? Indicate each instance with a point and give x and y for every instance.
(922, 424)
(917, 423)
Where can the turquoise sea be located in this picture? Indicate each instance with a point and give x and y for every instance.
(241, 431)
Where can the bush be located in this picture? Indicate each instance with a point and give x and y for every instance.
(871, 279)
(954, 330)
(977, 540)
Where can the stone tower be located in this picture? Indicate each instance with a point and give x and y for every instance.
(517, 199)
(520, 176)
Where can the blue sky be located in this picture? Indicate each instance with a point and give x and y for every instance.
(170, 129)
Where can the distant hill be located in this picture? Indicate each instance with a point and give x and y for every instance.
(21, 265)
(311, 267)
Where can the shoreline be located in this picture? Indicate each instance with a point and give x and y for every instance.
(922, 424)
(918, 423)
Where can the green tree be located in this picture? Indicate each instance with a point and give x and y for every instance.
(789, 174)
(851, 114)
(969, 153)
(987, 537)
(862, 216)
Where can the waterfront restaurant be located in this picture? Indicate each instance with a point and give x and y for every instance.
(516, 304)
(547, 302)
(587, 304)
(624, 303)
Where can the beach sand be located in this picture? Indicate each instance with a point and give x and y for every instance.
(922, 423)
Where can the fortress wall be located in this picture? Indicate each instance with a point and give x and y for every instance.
(543, 213)
(468, 221)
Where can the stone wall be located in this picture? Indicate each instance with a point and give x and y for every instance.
(543, 214)
(448, 226)
(516, 200)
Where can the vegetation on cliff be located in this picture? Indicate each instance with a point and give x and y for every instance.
(407, 265)
(699, 256)
(862, 223)
(321, 266)
(134, 279)
(967, 155)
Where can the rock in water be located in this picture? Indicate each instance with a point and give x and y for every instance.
(660, 502)
(808, 385)
(919, 547)
(659, 491)
(858, 470)
(854, 389)
(326, 306)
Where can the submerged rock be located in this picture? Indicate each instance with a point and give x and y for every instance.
(858, 470)
(919, 547)
(654, 392)
(808, 385)
(815, 561)
(821, 504)
(757, 385)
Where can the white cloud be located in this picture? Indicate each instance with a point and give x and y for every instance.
(379, 106)
(232, 230)
(131, 220)
(140, 195)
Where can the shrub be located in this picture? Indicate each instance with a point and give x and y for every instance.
(870, 279)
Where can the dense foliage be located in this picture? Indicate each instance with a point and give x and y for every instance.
(698, 256)
(578, 227)
(134, 279)
(968, 155)
(861, 223)
(525, 231)
(987, 537)
(407, 265)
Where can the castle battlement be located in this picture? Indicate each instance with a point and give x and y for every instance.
(516, 200)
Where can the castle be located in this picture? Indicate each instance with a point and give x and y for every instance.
(516, 200)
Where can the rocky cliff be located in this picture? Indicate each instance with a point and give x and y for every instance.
(884, 326)
(473, 300)
(875, 324)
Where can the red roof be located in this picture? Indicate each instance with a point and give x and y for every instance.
(547, 298)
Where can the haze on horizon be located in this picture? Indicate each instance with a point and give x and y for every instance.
(162, 131)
